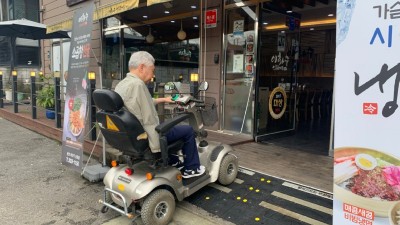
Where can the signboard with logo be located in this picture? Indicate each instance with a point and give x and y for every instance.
(367, 118)
(277, 103)
(211, 18)
(76, 96)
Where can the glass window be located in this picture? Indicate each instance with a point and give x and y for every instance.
(175, 59)
(27, 56)
(111, 58)
(277, 73)
(27, 9)
(3, 10)
(5, 54)
(239, 71)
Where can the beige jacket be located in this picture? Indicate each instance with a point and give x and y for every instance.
(138, 101)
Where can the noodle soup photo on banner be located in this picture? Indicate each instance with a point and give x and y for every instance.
(367, 73)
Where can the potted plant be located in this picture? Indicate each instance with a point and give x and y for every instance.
(45, 98)
(21, 91)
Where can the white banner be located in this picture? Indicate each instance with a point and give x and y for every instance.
(367, 119)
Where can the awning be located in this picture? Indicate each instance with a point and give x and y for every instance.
(152, 2)
(103, 12)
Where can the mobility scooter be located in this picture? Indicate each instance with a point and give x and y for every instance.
(143, 184)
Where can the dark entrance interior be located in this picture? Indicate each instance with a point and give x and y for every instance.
(296, 52)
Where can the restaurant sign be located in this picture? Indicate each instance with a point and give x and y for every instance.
(277, 103)
(76, 96)
(211, 18)
(366, 157)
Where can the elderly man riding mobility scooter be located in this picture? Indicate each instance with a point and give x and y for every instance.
(145, 184)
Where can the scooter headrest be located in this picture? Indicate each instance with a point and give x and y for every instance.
(107, 100)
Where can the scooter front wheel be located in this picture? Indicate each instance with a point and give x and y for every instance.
(158, 208)
(228, 170)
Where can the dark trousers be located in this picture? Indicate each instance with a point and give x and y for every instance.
(189, 149)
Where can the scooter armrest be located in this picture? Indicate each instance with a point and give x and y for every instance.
(167, 125)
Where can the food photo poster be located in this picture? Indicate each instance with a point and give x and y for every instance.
(367, 119)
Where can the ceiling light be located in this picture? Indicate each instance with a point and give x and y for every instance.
(239, 4)
(193, 7)
(145, 17)
(196, 25)
(166, 12)
(172, 21)
(181, 34)
(289, 11)
(305, 24)
(331, 14)
(265, 23)
(195, 17)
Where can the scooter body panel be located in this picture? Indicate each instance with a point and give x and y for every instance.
(136, 186)
(211, 157)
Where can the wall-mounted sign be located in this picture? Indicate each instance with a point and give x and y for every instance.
(237, 63)
(211, 18)
(238, 27)
(280, 62)
(277, 103)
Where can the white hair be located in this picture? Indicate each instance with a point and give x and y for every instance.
(141, 57)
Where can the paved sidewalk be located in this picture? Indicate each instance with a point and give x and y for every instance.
(36, 188)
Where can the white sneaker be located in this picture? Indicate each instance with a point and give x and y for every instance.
(194, 173)
(179, 165)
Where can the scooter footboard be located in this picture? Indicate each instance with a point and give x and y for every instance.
(125, 204)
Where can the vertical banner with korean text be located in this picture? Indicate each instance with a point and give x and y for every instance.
(76, 94)
(367, 118)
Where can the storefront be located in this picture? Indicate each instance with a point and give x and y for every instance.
(278, 77)
(270, 64)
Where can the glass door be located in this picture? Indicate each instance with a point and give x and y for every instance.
(240, 54)
(278, 52)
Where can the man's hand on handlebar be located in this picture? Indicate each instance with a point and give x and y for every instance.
(164, 100)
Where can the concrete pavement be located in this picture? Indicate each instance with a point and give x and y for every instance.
(35, 188)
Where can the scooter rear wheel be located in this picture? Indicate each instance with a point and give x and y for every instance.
(228, 170)
(158, 208)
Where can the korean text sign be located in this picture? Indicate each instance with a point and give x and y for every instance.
(211, 18)
(76, 94)
(367, 118)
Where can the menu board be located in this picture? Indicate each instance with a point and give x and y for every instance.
(366, 155)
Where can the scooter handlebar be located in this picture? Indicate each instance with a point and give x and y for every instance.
(196, 100)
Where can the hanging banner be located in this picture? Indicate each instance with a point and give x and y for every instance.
(76, 94)
(366, 154)
(115, 8)
(100, 13)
